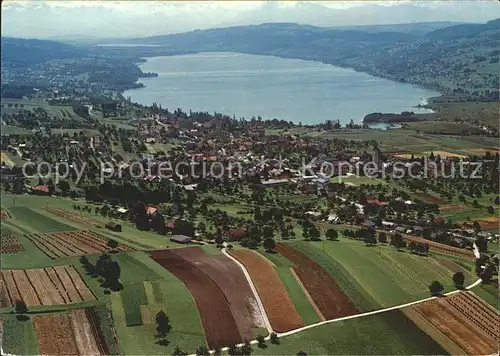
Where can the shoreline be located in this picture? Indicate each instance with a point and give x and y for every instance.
(426, 105)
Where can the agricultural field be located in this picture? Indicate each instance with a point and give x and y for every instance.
(324, 293)
(294, 288)
(44, 286)
(163, 291)
(218, 322)
(375, 277)
(390, 333)
(466, 320)
(71, 215)
(9, 243)
(442, 248)
(233, 284)
(76, 332)
(73, 243)
(278, 305)
(36, 221)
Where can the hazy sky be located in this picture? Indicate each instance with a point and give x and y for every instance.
(45, 19)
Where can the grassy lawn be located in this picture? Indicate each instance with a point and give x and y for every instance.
(378, 273)
(35, 221)
(19, 337)
(293, 288)
(389, 333)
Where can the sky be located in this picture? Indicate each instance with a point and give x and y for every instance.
(111, 19)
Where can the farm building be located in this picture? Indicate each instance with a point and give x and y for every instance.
(113, 226)
(181, 239)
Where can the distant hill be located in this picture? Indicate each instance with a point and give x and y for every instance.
(18, 51)
(419, 28)
(464, 31)
(459, 59)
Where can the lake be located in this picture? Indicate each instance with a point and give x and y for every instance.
(271, 87)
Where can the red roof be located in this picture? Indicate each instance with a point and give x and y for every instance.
(237, 234)
(41, 188)
(376, 202)
(150, 210)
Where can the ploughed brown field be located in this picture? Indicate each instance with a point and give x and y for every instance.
(44, 286)
(279, 307)
(216, 317)
(330, 301)
(72, 243)
(72, 333)
(4, 214)
(9, 244)
(71, 215)
(232, 282)
(465, 319)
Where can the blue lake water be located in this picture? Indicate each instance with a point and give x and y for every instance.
(271, 87)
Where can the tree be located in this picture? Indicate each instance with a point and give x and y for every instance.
(246, 349)
(332, 234)
(163, 326)
(476, 226)
(274, 339)
(436, 288)
(382, 237)
(51, 186)
(179, 352)
(21, 309)
(314, 233)
(233, 350)
(301, 353)
(112, 244)
(202, 351)
(269, 244)
(64, 186)
(458, 280)
(261, 341)
(397, 241)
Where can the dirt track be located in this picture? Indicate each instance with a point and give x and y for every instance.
(278, 305)
(216, 317)
(325, 292)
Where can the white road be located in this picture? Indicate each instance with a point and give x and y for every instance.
(254, 291)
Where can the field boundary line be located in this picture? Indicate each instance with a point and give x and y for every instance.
(254, 290)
